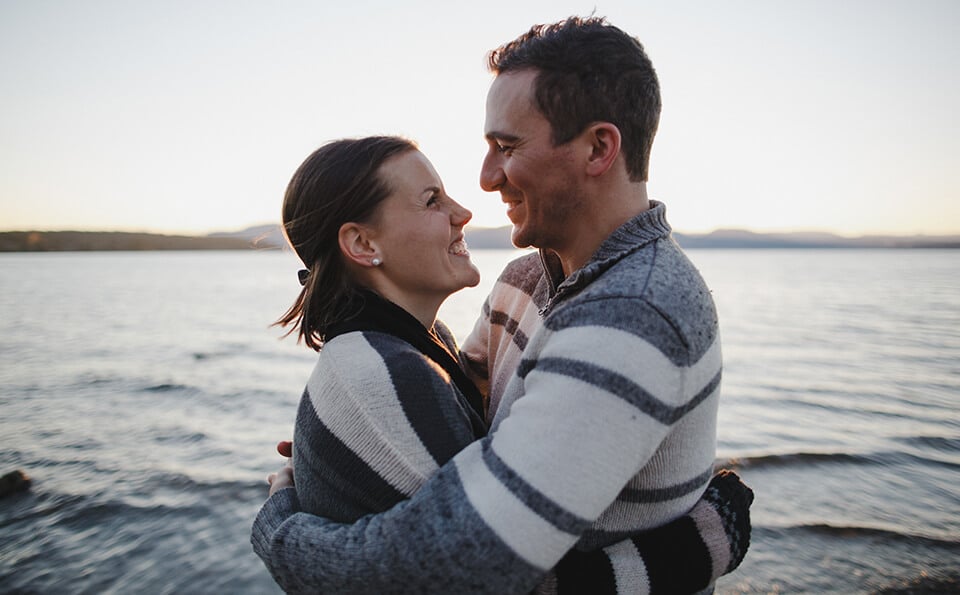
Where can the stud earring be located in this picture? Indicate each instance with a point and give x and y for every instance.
(376, 261)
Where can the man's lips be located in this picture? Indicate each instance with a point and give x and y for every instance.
(512, 207)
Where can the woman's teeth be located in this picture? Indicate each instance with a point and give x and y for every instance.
(459, 248)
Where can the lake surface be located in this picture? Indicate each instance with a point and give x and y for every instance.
(144, 393)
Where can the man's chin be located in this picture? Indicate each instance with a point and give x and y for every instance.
(519, 239)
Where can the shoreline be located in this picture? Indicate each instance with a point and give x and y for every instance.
(270, 238)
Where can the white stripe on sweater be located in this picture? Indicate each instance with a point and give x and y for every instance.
(527, 534)
(704, 516)
(628, 568)
(632, 356)
(603, 438)
(369, 420)
(610, 439)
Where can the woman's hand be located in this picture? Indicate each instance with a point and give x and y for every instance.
(284, 477)
(281, 479)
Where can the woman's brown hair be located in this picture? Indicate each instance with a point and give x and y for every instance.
(339, 183)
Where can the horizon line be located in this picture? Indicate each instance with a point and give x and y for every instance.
(747, 230)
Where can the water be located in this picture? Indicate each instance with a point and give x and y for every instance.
(143, 393)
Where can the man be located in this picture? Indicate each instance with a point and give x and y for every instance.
(604, 350)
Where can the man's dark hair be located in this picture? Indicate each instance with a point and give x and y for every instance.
(589, 71)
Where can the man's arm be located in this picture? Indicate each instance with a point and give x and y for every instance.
(433, 543)
(684, 556)
(506, 509)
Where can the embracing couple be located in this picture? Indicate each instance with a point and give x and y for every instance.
(568, 445)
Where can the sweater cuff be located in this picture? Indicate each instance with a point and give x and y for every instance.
(278, 508)
(710, 526)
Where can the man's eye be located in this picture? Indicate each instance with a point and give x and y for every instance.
(434, 199)
(504, 148)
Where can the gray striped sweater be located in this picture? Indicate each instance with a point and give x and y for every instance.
(611, 429)
(376, 419)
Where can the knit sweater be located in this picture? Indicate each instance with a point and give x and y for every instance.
(634, 330)
(611, 429)
(376, 419)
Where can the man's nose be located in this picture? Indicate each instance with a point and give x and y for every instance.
(491, 173)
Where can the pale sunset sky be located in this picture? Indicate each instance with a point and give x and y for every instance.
(190, 116)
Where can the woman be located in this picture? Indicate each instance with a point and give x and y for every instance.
(384, 246)
(388, 402)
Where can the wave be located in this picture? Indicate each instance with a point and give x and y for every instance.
(201, 356)
(44, 505)
(791, 459)
(117, 511)
(225, 350)
(939, 443)
(874, 534)
(924, 584)
(151, 496)
(888, 458)
(165, 388)
(231, 489)
(180, 438)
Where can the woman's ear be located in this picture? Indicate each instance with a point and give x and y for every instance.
(605, 140)
(356, 244)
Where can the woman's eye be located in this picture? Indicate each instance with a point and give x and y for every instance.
(433, 200)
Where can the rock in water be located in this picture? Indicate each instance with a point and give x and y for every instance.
(12, 482)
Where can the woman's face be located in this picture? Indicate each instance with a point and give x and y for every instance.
(418, 231)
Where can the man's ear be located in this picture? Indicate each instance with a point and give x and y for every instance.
(356, 244)
(604, 140)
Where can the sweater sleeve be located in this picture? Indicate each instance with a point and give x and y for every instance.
(433, 543)
(718, 527)
(474, 354)
(509, 507)
(714, 535)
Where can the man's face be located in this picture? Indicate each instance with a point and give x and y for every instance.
(538, 182)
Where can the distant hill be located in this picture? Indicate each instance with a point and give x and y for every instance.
(738, 238)
(86, 241)
(488, 238)
(259, 236)
(499, 238)
(268, 236)
(478, 238)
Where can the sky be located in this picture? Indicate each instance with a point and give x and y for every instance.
(190, 117)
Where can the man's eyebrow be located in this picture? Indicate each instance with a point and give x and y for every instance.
(494, 135)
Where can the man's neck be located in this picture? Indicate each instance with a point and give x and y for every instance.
(612, 211)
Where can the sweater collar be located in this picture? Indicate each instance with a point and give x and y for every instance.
(649, 226)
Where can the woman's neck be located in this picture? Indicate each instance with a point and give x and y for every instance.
(423, 308)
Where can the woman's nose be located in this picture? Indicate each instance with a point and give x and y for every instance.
(460, 215)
